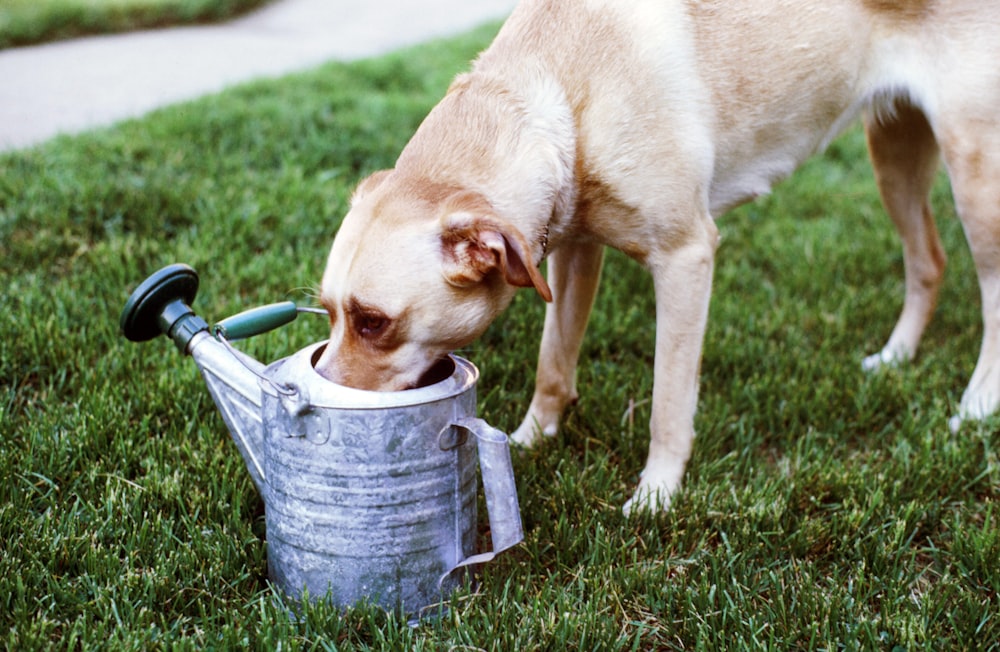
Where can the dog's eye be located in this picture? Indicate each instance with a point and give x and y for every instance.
(371, 325)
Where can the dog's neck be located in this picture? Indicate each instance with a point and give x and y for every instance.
(537, 185)
(511, 138)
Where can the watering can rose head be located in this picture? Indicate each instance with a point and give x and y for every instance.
(408, 282)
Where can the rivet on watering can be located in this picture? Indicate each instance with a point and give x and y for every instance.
(295, 402)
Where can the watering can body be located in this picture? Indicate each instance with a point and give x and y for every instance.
(368, 496)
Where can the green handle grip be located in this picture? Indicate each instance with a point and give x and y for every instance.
(256, 321)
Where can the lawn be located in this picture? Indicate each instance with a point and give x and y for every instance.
(27, 22)
(823, 508)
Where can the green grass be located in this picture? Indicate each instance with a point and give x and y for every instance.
(27, 22)
(823, 508)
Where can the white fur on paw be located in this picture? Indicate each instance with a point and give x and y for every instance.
(530, 432)
(646, 501)
(653, 493)
(884, 359)
(976, 406)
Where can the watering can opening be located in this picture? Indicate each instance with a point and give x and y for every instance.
(297, 379)
(439, 372)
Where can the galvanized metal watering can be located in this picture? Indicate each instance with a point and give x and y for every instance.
(367, 495)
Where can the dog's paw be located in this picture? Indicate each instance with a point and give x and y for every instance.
(957, 421)
(978, 402)
(885, 359)
(656, 486)
(530, 432)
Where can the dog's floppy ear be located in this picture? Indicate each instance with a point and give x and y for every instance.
(475, 242)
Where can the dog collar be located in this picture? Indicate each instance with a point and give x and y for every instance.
(544, 241)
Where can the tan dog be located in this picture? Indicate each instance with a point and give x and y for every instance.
(634, 124)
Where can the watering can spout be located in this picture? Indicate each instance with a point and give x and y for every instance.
(231, 378)
(161, 305)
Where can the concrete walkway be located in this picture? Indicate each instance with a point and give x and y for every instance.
(71, 86)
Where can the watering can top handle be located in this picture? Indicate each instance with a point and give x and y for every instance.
(256, 321)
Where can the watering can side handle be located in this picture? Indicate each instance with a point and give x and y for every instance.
(498, 484)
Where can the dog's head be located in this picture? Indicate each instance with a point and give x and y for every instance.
(416, 271)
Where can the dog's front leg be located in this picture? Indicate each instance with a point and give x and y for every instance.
(574, 273)
(682, 277)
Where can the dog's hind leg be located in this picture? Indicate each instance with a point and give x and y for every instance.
(971, 149)
(905, 157)
(574, 274)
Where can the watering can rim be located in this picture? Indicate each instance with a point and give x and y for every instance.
(298, 372)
